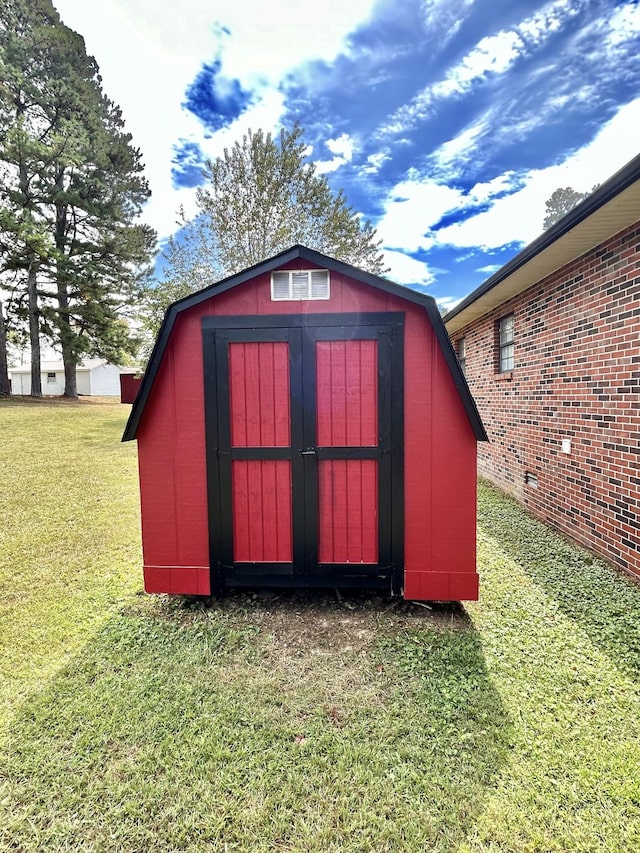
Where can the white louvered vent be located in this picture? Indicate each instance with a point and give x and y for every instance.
(299, 284)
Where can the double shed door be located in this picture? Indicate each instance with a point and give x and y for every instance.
(304, 426)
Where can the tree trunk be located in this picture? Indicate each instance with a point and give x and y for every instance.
(5, 386)
(69, 357)
(34, 331)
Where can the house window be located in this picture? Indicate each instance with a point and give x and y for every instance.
(51, 379)
(506, 343)
(299, 284)
(462, 354)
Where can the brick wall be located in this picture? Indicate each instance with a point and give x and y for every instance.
(577, 378)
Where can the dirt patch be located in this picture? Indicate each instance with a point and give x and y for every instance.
(313, 622)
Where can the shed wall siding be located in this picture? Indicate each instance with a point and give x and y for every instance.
(439, 443)
(576, 377)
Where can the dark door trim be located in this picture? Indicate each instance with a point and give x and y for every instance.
(301, 332)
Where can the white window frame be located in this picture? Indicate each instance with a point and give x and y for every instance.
(506, 344)
(52, 377)
(462, 354)
(295, 291)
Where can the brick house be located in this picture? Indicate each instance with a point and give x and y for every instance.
(550, 345)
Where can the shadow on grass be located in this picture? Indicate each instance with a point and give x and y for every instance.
(187, 727)
(604, 603)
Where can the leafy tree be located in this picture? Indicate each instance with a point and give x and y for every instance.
(261, 197)
(560, 202)
(72, 187)
(190, 263)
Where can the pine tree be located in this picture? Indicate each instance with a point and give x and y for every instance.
(72, 188)
(4, 367)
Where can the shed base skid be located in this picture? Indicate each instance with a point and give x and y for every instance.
(423, 586)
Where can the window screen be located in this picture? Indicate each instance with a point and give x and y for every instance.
(299, 284)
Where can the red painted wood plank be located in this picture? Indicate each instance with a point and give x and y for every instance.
(362, 393)
(353, 392)
(266, 391)
(369, 393)
(354, 511)
(323, 394)
(259, 394)
(337, 426)
(240, 510)
(283, 510)
(369, 486)
(347, 393)
(237, 395)
(282, 414)
(261, 505)
(348, 512)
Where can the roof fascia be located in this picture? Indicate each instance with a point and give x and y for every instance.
(618, 182)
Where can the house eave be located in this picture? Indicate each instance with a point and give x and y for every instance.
(612, 207)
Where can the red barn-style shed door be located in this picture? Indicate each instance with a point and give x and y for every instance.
(304, 423)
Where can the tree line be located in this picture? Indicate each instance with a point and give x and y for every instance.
(74, 260)
(71, 189)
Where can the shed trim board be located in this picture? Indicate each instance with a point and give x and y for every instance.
(304, 455)
(428, 303)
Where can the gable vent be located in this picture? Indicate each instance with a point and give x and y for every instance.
(299, 284)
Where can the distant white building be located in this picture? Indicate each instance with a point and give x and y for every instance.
(95, 378)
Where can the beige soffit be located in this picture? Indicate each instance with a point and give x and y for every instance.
(619, 212)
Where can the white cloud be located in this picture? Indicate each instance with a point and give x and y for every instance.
(448, 303)
(417, 204)
(517, 218)
(493, 55)
(406, 270)
(486, 190)
(460, 147)
(342, 147)
(375, 161)
(444, 18)
(623, 25)
(548, 20)
(149, 51)
(414, 206)
(411, 209)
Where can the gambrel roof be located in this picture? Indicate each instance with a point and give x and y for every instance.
(325, 262)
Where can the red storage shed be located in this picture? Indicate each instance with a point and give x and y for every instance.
(305, 423)
(129, 386)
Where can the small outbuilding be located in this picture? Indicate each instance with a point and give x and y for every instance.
(95, 378)
(304, 423)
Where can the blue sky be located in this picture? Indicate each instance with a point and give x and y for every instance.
(447, 122)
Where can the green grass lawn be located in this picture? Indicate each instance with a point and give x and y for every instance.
(296, 722)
